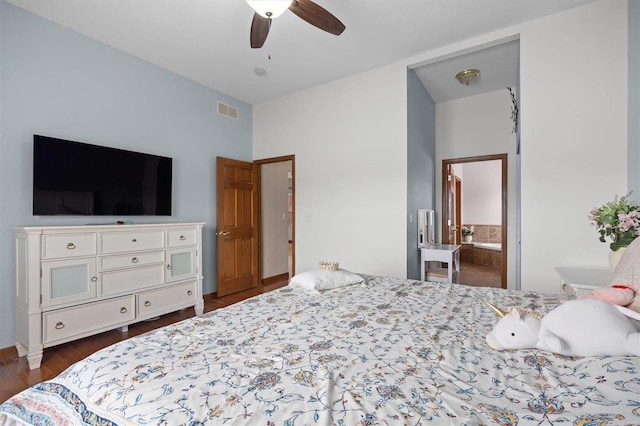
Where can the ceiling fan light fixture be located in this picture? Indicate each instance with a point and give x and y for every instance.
(269, 9)
(467, 76)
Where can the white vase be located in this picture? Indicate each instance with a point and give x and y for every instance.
(614, 257)
(468, 238)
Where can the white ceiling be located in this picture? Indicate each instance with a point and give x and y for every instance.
(208, 40)
(498, 68)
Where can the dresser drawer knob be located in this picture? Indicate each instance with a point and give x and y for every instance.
(134, 260)
(71, 246)
(134, 240)
(182, 238)
(189, 292)
(59, 325)
(123, 310)
(147, 303)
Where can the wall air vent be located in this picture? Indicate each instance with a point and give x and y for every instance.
(227, 110)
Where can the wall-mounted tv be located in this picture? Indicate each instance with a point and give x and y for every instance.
(73, 178)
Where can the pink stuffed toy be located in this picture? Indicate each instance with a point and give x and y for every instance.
(620, 295)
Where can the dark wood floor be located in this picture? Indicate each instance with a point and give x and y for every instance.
(16, 376)
(479, 276)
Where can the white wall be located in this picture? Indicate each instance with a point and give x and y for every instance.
(350, 137)
(482, 192)
(274, 181)
(350, 141)
(475, 126)
(574, 135)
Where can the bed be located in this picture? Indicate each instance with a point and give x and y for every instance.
(386, 351)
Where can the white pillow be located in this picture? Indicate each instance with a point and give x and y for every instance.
(325, 280)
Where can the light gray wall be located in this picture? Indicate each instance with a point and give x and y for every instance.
(421, 154)
(633, 159)
(56, 82)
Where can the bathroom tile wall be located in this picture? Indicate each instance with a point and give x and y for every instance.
(486, 233)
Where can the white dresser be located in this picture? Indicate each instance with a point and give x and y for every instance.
(575, 282)
(75, 281)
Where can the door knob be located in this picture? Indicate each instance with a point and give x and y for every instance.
(223, 233)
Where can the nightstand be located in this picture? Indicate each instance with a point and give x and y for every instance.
(578, 281)
(436, 253)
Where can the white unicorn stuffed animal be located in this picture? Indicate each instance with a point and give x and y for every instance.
(589, 327)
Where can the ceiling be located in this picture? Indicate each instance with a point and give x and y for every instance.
(208, 40)
(498, 66)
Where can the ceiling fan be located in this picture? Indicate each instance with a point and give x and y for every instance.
(266, 10)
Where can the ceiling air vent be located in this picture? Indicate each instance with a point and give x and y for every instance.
(227, 110)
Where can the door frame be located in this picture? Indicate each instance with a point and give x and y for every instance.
(458, 223)
(504, 210)
(259, 164)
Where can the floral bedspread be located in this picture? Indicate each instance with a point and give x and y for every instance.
(387, 352)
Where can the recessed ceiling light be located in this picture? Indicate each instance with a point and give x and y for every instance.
(260, 72)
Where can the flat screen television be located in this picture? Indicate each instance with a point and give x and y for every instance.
(74, 178)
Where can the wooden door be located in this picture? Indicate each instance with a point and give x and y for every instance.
(458, 224)
(237, 230)
(449, 208)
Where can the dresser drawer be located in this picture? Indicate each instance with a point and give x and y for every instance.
(155, 302)
(87, 319)
(129, 280)
(129, 260)
(68, 245)
(181, 237)
(119, 242)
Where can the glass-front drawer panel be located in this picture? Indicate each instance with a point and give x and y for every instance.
(68, 245)
(68, 281)
(118, 242)
(181, 264)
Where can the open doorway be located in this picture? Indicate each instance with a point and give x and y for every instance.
(475, 216)
(276, 177)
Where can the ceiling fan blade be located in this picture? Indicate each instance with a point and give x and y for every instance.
(259, 30)
(317, 16)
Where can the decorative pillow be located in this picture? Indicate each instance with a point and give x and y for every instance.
(627, 272)
(320, 280)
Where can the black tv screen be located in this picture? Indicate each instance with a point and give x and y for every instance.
(73, 178)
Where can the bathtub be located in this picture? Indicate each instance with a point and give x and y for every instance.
(487, 254)
(488, 246)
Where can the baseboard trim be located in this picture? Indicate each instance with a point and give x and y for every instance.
(275, 279)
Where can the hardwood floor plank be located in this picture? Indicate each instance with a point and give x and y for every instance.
(15, 375)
